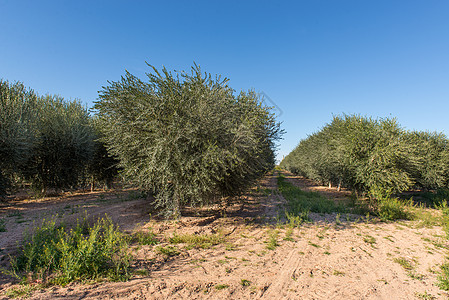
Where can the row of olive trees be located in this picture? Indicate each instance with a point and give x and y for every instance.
(376, 157)
(47, 142)
(186, 136)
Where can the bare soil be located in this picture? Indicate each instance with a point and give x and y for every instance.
(333, 257)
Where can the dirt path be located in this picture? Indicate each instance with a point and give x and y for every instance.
(325, 259)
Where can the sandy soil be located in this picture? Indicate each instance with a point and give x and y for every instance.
(334, 257)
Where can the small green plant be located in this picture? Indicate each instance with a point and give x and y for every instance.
(369, 240)
(296, 220)
(167, 250)
(141, 272)
(144, 238)
(288, 235)
(22, 291)
(338, 273)
(314, 245)
(425, 296)
(337, 220)
(203, 241)
(245, 282)
(221, 286)
(230, 247)
(299, 201)
(443, 277)
(272, 241)
(390, 209)
(407, 265)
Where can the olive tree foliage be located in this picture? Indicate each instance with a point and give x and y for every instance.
(17, 110)
(367, 155)
(430, 151)
(62, 145)
(186, 136)
(102, 166)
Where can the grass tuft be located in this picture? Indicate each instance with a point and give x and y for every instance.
(272, 241)
(168, 250)
(203, 241)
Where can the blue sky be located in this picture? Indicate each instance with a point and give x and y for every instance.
(313, 58)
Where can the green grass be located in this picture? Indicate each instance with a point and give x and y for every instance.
(369, 240)
(314, 245)
(338, 273)
(245, 282)
(299, 201)
(59, 255)
(221, 286)
(22, 291)
(144, 238)
(390, 209)
(203, 241)
(425, 296)
(288, 235)
(407, 265)
(168, 250)
(443, 277)
(272, 241)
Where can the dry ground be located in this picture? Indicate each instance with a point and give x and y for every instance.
(334, 257)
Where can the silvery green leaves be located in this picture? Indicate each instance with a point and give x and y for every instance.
(186, 136)
(373, 156)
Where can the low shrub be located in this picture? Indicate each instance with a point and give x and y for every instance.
(59, 255)
(390, 209)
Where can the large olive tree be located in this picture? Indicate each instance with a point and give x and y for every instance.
(186, 136)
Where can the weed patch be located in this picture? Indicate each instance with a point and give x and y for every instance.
(168, 250)
(272, 241)
(58, 255)
(144, 238)
(203, 241)
(221, 286)
(390, 209)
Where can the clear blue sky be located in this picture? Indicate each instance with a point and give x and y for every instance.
(312, 58)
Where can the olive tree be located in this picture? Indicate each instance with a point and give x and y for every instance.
(17, 109)
(186, 136)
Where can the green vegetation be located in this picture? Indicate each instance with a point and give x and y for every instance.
(373, 157)
(59, 255)
(144, 238)
(203, 241)
(47, 142)
(407, 265)
(245, 282)
(168, 250)
(221, 286)
(389, 209)
(186, 136)
(300, 203)
(272, 241)
(369, 240)
(443, 277)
